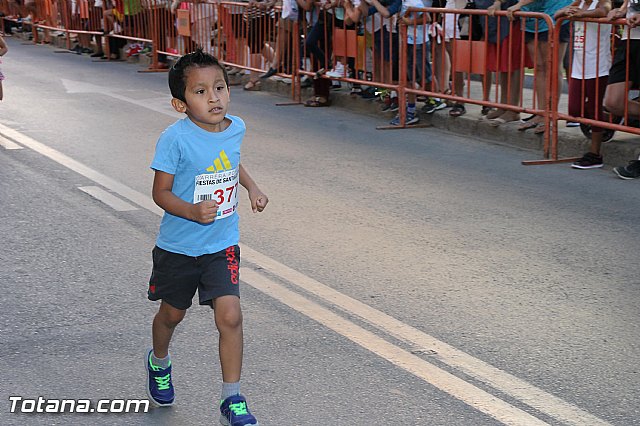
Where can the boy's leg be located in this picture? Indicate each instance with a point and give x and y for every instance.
(164, 323)
(228, 317)
(158, 363)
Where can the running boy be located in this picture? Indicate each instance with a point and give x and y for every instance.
(197, 172)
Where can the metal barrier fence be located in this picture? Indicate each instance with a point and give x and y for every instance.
(430, 52)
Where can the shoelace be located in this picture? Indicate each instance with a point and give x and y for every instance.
(163, 382)
(239, 408)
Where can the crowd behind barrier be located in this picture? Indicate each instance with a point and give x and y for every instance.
(475, 52)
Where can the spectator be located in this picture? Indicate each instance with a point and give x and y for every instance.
(616, 96)
(451, 33)
(283, 55)
(385, 45)
(504, 57)
(318, 43)
(3, 51)
(418, 54)
(538, 45)
(259, 17)
(97, 24)
(589, 70)
(80, 20)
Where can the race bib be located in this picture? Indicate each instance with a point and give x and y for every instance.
(221, 187)
(578, 37)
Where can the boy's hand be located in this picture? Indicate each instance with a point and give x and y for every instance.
(204, 212)
(258, 199)
(634, 21)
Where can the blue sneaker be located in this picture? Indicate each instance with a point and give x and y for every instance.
(412, 118)
(234, 412)
(159, 386)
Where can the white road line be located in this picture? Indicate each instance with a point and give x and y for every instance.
(500, 380)
(132, 195)
(8, 144)
(478, 369)
(108, 198)
(447, 382)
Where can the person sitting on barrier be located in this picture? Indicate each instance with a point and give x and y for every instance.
(504, 57)
(589, 69)
(197, 244)
(538, 44)
(616, 96)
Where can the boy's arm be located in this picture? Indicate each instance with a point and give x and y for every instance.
(203, 212)
(3, 47)
(258, 199)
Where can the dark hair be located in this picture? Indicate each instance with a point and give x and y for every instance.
(177, 73)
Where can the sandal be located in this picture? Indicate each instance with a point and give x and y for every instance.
(539, 130)
(253, 86)
(507, 117)
(317, 101)
(531, 124)
(457, 110)
(485, 110)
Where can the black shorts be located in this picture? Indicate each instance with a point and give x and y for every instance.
(176, 277)
(618, 71)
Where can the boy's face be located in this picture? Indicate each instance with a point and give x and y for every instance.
(207, 98)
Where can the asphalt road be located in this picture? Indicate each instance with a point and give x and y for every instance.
(397, 277)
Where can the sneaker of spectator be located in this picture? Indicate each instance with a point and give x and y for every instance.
(412, 118)
(305, 82)
(589, 161)
(390, 105)
(368, 93)
(339, 71)
(432, 105)
(632, 171)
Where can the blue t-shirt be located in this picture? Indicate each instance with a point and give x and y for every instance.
(188, 151)
(550, 7)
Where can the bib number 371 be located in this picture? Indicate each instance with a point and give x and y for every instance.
(220, 187)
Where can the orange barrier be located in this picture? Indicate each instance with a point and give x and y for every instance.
(368, 53)
(590, 82)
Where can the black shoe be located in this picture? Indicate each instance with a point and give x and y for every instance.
(368, 93)
(632, 171)
(589, 161)
(97, 55)
(271, 72)
(305, 82)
